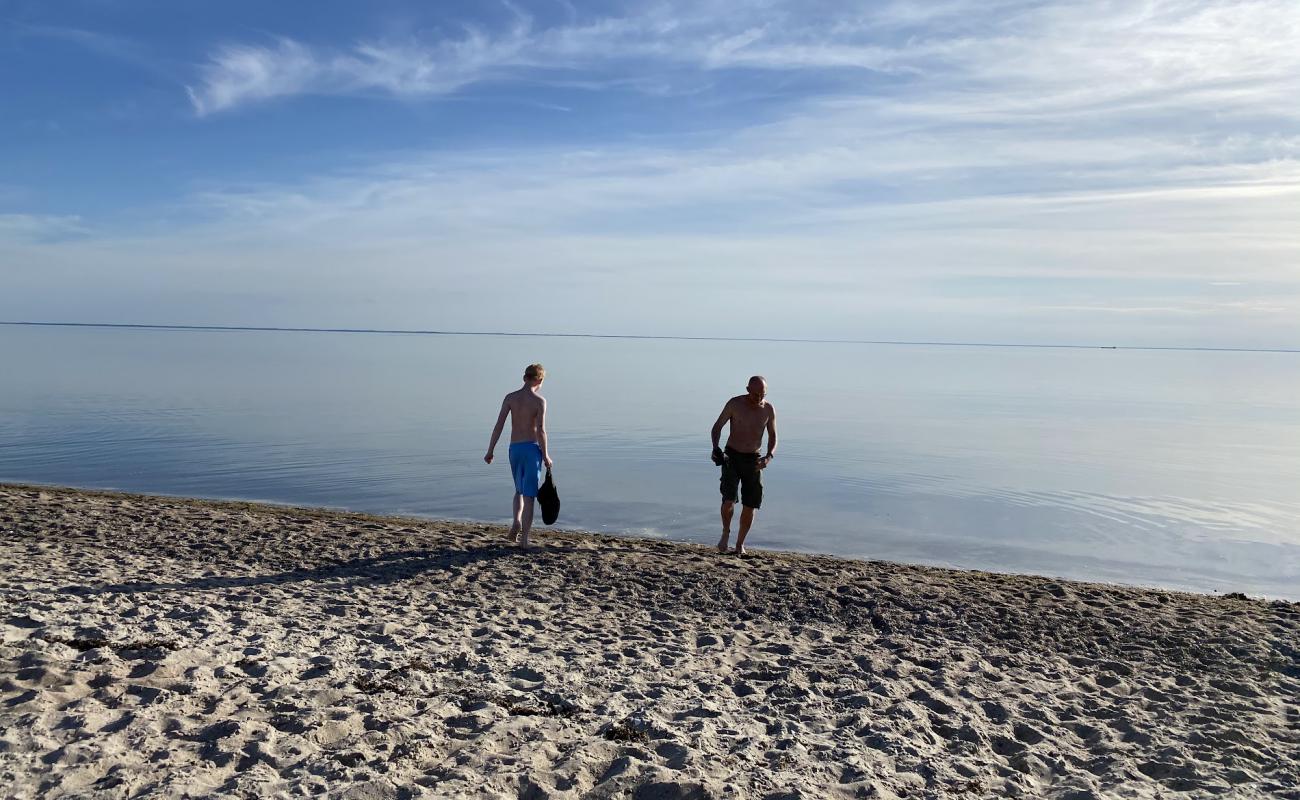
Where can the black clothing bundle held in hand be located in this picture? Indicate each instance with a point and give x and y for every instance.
(718, 456)
(549, 499)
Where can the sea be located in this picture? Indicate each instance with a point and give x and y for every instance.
(1168, 468)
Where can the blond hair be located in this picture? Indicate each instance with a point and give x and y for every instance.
(534, 372)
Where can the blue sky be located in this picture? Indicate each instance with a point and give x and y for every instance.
(1064, 172)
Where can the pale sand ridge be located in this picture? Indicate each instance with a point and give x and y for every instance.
(155, 647)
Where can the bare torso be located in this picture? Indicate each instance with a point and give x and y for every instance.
(525, 415)
(748, 421)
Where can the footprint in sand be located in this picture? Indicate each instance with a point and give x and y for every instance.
(526, 675)
(1027, 734)
(1005, 746)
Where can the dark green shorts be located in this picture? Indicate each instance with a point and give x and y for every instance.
(741, 470)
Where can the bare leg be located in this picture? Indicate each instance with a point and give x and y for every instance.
(727, 507)
(746, 519)
(519, 508)
(527, 520)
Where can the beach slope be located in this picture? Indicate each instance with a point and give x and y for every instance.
(159, 647)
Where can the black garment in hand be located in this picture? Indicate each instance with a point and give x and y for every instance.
(549, 499)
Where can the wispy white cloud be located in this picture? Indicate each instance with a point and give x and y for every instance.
(240, 74)
(993, 60)
(622, 48)
(243, 74)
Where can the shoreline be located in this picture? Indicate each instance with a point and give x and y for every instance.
(172, 645)
(540, 529)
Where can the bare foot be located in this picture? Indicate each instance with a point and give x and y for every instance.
(722, 543)
(526, 543)
(741, 551)
(514, 533)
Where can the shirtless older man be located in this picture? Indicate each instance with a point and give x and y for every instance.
(749, 414)
(527, 411)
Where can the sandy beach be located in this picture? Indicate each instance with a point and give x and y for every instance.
(158, 647)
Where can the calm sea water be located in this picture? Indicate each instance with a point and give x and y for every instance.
(1177, 469)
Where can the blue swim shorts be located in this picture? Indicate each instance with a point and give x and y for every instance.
(526, 466)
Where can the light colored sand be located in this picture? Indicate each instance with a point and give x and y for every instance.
(165, 648)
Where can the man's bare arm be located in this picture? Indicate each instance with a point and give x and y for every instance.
(717, 426)
(541, 434)
(496, 432)
(771, 432)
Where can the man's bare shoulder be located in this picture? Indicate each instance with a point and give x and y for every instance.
(515, 398)
(524, 399)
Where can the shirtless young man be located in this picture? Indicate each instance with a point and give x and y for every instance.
(749, 414)
(527, 411)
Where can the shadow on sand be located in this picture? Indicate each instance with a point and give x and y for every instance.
(388, 568)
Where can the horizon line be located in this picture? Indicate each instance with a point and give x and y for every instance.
(420, 332)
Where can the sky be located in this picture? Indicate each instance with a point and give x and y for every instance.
(1109, 173)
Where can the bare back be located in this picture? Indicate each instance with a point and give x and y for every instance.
(527, 411)
(748, 421)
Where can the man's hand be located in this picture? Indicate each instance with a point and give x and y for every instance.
(548, 462)
(718, 456)
(487, 459)
(764, 461)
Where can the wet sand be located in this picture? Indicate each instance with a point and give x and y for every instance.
(158, 647)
